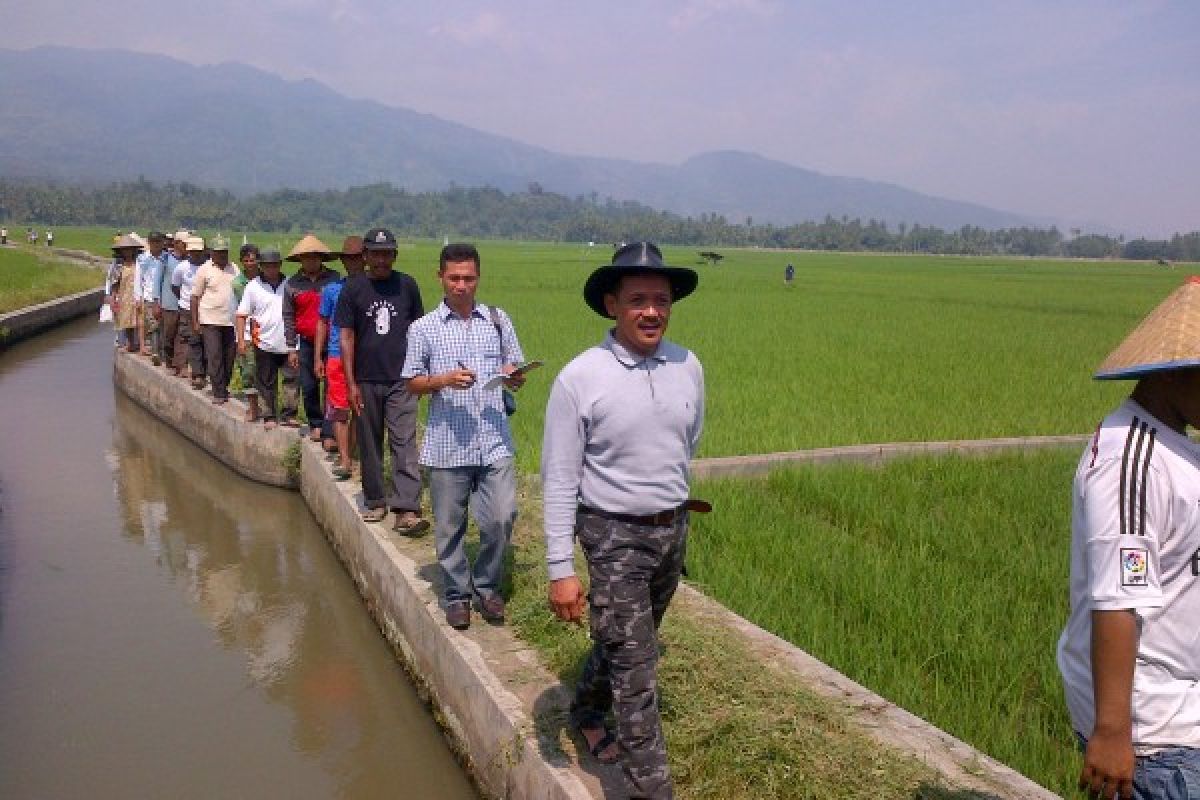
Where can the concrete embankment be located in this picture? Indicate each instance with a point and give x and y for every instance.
(489, 690)
(26, 322)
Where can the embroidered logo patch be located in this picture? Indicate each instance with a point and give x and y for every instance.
(1134, 566)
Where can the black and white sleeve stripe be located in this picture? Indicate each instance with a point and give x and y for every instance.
(1135, 466)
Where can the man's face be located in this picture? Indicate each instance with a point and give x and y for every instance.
(180, 249)
(271, 270)
(156, 247)
(196, 256)
(641, 308)
(220, 257)
(352, 263)
(379, 262)
(310, 263)
(459, 280)
(250, 264)
(1185, 395)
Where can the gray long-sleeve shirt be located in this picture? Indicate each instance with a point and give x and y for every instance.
(620, 431)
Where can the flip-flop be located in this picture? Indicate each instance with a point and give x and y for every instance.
(602, 744)
(374, 514)
(270, 424)
(342, 474)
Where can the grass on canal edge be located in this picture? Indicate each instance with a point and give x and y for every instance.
(31, 277)
(736, 727)
(939, 583)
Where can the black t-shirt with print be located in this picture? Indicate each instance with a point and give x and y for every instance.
(379, 312)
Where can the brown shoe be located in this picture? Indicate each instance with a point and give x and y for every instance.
(409, 524)
(492, 609)
(458, 615)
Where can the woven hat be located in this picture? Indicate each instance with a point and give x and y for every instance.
(310, 245)
(182, 233)
(638, 258)
(126, 242)
(195, 244)
(1168, 338)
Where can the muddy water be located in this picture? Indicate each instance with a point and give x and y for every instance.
(169, 630)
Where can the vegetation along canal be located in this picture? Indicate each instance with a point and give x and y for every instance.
(168, 629)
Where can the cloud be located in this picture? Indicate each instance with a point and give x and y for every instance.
(698, 12)
(486, 28)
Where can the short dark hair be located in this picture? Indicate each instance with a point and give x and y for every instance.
(458, 252)
(248, 248)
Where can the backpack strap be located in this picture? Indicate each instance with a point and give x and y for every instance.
(495, 314)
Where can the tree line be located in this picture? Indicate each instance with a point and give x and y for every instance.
(534, 214)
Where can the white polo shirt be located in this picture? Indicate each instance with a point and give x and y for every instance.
(1135, 544)
(263, 306)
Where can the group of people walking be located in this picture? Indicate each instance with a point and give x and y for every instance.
(623, 422)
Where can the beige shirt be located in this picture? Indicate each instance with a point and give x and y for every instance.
(213, 287)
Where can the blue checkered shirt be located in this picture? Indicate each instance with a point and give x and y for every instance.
(466, 427)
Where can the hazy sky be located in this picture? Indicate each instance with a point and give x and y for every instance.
(1085, 110)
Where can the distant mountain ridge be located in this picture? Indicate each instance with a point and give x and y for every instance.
(85, 115)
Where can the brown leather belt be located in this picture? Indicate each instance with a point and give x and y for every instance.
(661, 519)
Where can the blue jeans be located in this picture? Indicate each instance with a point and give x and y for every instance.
(1172, 774)
(491, 492)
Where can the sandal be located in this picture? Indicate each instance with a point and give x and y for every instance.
(342, 473)
(270, 424)
(375, 514)
(602, 744)
(290, 423)
(409, 524)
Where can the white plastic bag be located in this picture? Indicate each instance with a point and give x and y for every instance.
(106, 314)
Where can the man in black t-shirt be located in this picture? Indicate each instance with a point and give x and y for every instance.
(373, 312)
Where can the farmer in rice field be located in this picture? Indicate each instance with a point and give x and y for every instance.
(622, 424)
(1130, 653)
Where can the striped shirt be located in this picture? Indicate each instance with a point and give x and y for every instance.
(1135, 545)
(466, 427)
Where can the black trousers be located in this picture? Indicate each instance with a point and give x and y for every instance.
(267, 368)
(220, 349)
(310, 388)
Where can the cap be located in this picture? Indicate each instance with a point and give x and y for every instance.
(195, 244)
(219, 243)
(379, 239)
(270, 256)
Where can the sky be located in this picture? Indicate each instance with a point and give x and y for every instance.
(1085, 112)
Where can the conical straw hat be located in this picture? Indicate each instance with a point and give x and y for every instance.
(310, 244)
(1168, 338)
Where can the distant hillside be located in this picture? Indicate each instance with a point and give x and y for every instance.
(78, 115)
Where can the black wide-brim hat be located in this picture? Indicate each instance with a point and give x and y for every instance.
(638, 258)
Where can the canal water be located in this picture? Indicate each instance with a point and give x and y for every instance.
(168, 629)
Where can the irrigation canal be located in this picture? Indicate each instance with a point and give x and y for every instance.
(168, 629)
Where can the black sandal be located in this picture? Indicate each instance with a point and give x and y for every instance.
(602, 744)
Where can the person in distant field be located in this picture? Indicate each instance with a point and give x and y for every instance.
(328, 341)
(150, 266)
(468, 448)
(301, 301)
(189, 340)
(789, 274)
(373, 314)
(212, 313)
(120, 291)
(259, 326)
(168, 304)
(622, 424)
(33, 237)
(1130, 653)
(3, 236)
(248, 258)
(49, 238)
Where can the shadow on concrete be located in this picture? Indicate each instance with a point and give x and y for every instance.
(928, 791)
(551, 721)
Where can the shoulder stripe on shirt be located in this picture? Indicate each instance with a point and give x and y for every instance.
(1133, 475)
(1133, 426)
(1145, 471)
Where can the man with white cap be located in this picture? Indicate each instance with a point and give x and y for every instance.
(168, 303)
(622, 424)
(1130, 652)
(213, 308)
(189, 340)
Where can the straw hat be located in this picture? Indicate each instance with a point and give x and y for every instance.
(1168, 338)
(310, 245)
(126, 242)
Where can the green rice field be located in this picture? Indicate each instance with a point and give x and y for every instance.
(27, 278)
(940, 583)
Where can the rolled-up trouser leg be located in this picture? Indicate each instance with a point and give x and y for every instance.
(167, 334)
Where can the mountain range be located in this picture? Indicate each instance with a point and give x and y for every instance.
(74, 116)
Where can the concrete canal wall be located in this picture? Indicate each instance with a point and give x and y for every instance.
(485, 685)
(25, 322)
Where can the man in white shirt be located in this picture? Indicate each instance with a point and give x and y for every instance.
(261, 311)
(213, 308)
(181, 283)
(1130, 653)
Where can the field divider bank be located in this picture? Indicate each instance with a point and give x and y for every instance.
(31, 320)
(504, 710)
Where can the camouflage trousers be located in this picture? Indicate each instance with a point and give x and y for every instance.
(634, 571)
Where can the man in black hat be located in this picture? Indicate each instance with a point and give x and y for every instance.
(373, 315)
(622, 424)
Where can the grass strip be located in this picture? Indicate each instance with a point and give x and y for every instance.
(737, 727)
(940, 583)
(28, 278)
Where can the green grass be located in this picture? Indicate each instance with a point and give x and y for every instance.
(28, 278)
(940, 583)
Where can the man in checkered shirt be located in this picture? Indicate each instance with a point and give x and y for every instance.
(453, 351)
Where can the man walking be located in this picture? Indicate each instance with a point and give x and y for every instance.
(212, 315)
(373, 315)
(248, 258)
(453, 351)
(301, 301)
(166, 305)
(260, 318)
(622, 423)
(331, 370)
(189, 340)
(150, 265)
(1128, 655)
